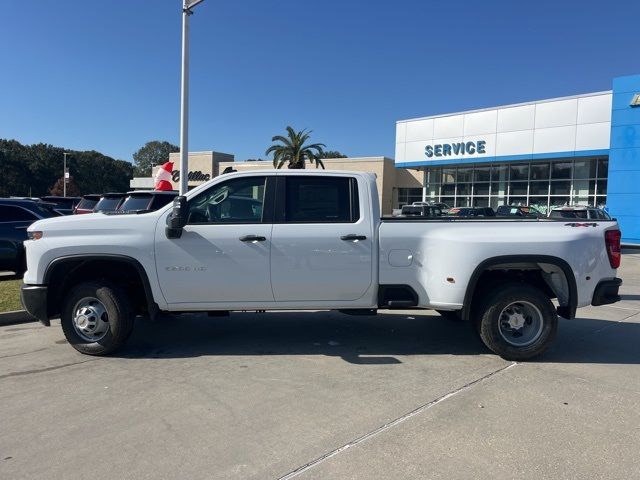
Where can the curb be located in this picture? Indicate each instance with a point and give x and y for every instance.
(17, 316)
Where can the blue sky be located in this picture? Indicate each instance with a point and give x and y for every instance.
(105, 75)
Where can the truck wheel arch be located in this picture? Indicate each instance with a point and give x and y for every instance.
(69, 265)
(567, 308)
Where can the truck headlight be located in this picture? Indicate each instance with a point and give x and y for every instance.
(35, 235)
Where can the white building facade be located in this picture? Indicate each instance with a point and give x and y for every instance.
(578, 150)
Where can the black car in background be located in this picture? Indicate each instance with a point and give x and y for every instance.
(420, 211)
(146, 201)
(471, 212)
(15, 217)
(109, 202)
(87, 204)
(64, 205)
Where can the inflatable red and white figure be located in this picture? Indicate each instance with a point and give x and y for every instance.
(163, 177)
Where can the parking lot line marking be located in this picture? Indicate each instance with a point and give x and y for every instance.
(393, 423)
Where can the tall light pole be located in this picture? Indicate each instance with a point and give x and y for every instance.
(64, 175)
(184, 96)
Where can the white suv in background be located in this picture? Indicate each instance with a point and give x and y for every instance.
(579, 211)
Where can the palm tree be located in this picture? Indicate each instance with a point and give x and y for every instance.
(292, 149)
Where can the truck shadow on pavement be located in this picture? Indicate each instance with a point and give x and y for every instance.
(363, 340)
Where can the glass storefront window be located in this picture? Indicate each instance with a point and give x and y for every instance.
(499, 173)
(482, 174)
(495, 202)
(433, 176)
(465, 174)
(517, 200)
(481, 188)
(584, 169)
(518, 188)
(560, 170)
(602, 187)
(432, 190)
(448, 190)
(539, 188)
(560, 188)
(603, 167)
(581, 188)
(540, 171)
(448, 175)
(498, 188)
(544, 183)
(463, 201)
(480, 201)
(464, 189)
(519, 172)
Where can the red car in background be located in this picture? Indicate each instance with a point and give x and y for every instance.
(87, 204)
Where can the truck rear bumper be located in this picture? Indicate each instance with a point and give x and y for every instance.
(606, 292)
(34, 301)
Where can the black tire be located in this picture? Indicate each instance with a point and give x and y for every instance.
(453, 316)
(119, 314)
(494, 331)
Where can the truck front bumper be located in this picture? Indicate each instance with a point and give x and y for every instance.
(606, 292)
(34, 301)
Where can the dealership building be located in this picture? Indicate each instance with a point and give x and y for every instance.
(578, 150)
(583, 149)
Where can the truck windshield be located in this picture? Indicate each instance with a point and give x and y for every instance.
(136, 202)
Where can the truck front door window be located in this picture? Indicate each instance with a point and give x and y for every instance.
(235, 201)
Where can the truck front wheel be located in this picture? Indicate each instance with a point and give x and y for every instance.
(96, 318)
(517, 321)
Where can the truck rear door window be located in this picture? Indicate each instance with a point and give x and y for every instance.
(321, 200)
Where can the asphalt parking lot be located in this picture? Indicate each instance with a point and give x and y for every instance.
(324, 395)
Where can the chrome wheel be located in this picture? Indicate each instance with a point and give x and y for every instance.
(520, 323)
(90, 319)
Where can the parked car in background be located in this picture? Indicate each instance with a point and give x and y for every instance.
(146, 201)
(87, 204)
(15, 216)
(518, 211)
(579, 211)
(471, 212)
(109, 202)
(420, 211)
(63, 205)
(442, 206)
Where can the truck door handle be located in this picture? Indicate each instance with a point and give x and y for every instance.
(352, 237)
(252, 238)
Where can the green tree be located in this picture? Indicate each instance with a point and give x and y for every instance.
(293, 150)
(30, 170)
(332, 154)
(154, 152)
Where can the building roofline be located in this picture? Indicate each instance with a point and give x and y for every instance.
(533, 102)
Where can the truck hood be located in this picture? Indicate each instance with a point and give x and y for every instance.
(95, 223)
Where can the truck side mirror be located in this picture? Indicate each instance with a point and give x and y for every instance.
(177, 218)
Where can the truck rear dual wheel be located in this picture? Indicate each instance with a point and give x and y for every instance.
(97, 318)
(517, 321)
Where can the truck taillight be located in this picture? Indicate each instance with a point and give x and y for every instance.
(612, 241)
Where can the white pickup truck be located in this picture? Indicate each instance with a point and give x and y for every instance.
(299, 239)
